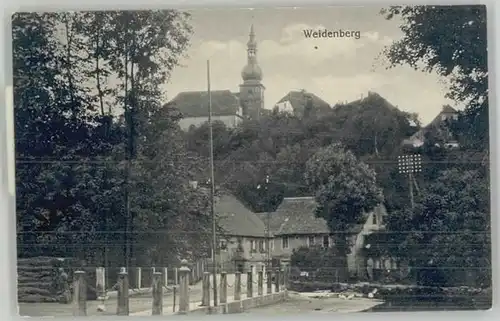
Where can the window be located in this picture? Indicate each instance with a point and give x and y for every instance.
(253, 246)
(223, 245)
(239, 248)
(271, 244)
(262, 246)
(326, 241)
(311, 240)
(285, 242)
(374, 219)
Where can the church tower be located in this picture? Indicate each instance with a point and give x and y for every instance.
(251, 90)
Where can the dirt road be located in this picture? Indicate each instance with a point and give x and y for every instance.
(298, 303)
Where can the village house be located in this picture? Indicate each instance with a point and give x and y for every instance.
(438, 126)
(250, 240)
(242, 244)
(295, 103)
(294, 225)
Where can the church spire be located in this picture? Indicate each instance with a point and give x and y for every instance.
(252, 70)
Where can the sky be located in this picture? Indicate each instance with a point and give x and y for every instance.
(335, 69)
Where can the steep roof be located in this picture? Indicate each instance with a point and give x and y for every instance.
(298, 100)
(296, 215)
(236, 219)
(447, 109)
(195, 103)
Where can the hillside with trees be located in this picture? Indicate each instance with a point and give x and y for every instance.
(448, 232)
(279, 146)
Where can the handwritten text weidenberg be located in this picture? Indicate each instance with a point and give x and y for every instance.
(310, 33)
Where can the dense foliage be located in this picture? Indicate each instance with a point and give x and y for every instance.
(319, 262)
(262, 162)
(448, 232)
(447, 236)
(346, 189)
(100, 170)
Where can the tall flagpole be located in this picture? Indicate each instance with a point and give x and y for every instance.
(212, 187)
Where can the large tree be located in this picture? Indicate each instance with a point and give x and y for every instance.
(452, 41)
(92, 143)
(346, 189)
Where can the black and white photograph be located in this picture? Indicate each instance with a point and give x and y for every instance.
(267, 161)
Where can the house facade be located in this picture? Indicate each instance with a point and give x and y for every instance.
(294, 225)
(251, 240)
(243, 240)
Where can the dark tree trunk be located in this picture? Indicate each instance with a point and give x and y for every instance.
(342, 247)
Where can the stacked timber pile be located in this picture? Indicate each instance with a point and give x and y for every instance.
(37, 279)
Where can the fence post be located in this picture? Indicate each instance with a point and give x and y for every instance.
(286, 278)
(174, 297)
(282, 278)
(260, 283)
(151, 273)
(138, 277)
(237, 286)
(184, 287)
(100, 283)
(123, 305)
(249, 284)
(269, 281)
(223, 287)
(165, 276)
(277, 280)
(176, 276)
(157, 294)
(79, 294)
(205, 301)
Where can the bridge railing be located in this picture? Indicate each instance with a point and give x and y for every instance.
(236, 291)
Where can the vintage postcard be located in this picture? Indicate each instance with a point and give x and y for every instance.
(278, 160)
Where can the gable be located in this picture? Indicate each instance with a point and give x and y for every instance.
(297, 100)
(237, 220)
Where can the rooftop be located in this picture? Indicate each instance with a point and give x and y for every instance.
(195, 103)
(296, 215)
(298, 101)
(236, 219)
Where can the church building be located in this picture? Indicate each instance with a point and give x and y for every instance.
(227, 107)
(231, 108)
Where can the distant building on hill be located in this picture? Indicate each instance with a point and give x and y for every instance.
(230, 108)
(438, 126)
(194, 108)
(297, 102)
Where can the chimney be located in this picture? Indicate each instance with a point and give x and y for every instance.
(193, 184)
